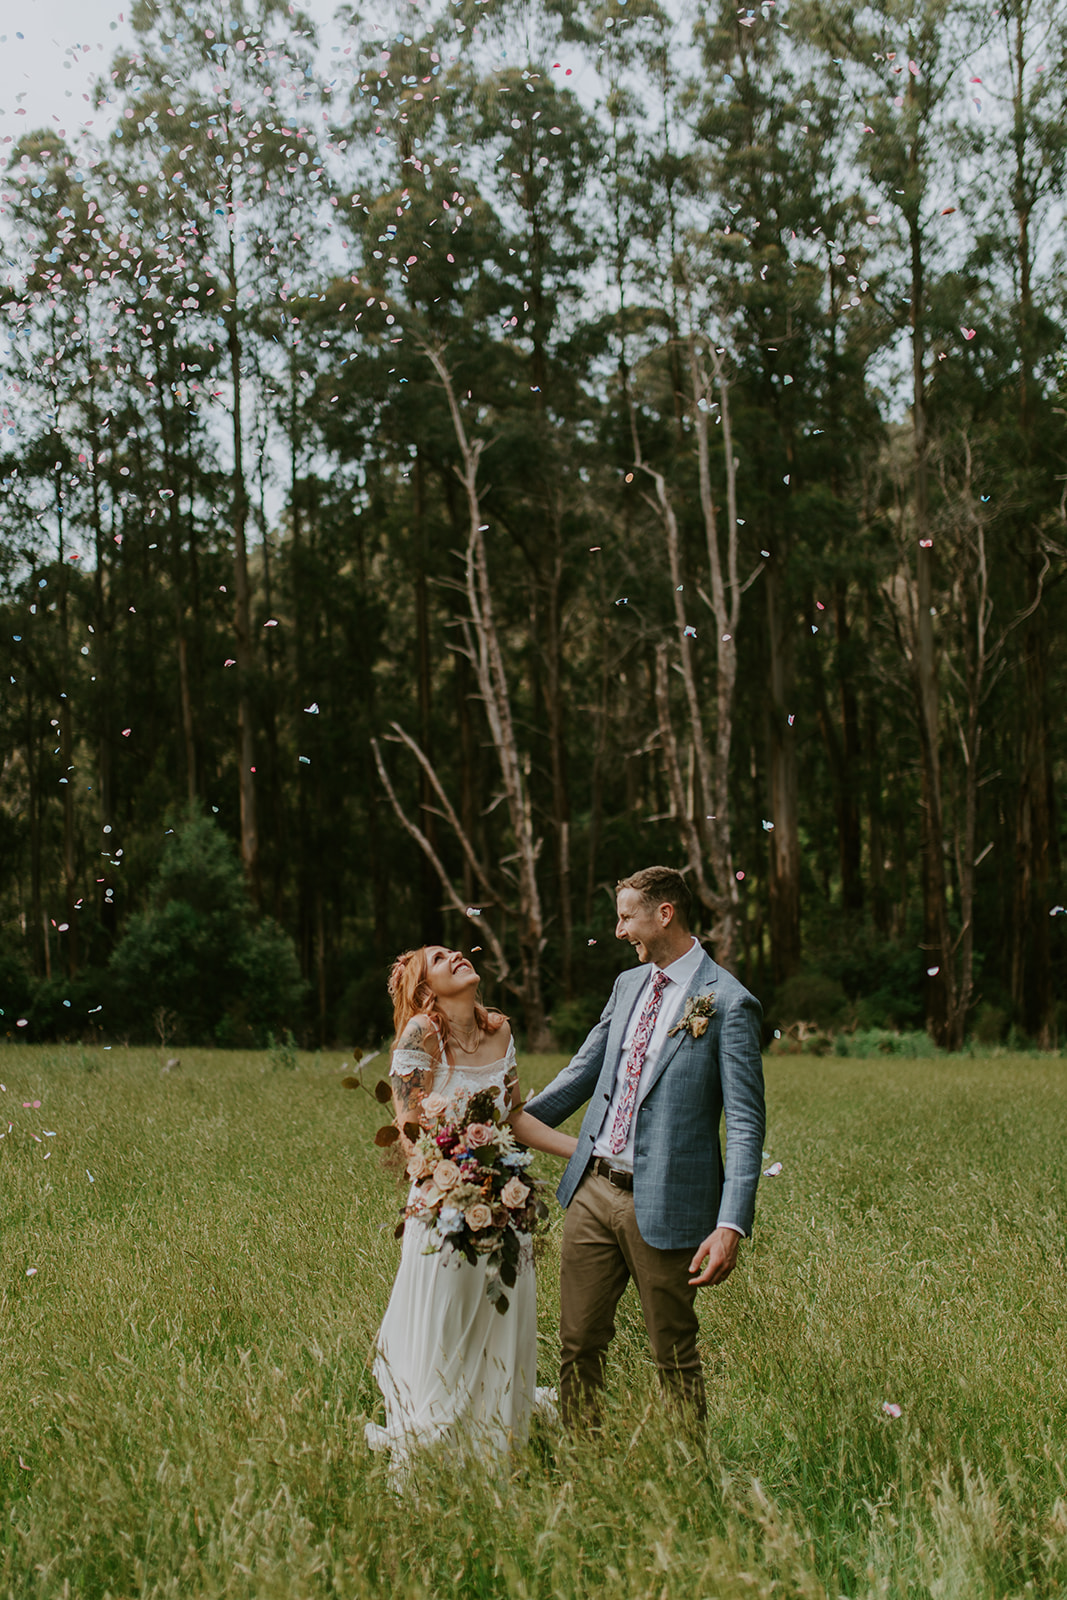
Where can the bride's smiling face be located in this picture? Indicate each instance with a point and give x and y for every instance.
(448, 973)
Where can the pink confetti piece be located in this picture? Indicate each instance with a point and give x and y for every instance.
(773, 1170)
(890, 1408)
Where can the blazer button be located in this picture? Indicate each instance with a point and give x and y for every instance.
(607, 1097)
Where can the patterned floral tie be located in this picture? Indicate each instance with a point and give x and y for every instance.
(639, 1049)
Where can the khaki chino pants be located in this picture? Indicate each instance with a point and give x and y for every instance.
(602, 1250)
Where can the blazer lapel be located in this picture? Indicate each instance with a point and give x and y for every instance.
(704, 979)
(617, 1032)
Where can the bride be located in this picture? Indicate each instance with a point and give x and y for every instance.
(448, 1363)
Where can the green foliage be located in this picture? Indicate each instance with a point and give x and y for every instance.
(16, 988)
(281, 1053)
(865, 1043)
(809, 997)
(577, 255)
(186, 1395)
(572, 1020)
(198, 951)
(67, 1008)
(990, 1024)
(881, 977)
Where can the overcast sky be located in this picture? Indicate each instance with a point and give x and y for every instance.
(45, 70)
(51, 52)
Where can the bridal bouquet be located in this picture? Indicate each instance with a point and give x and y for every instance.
(474, 1191)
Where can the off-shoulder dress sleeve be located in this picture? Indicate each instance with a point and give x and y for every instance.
(405, 1062)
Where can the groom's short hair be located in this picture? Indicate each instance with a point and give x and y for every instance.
(659, 886)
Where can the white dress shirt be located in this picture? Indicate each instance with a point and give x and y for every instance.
(680, 974)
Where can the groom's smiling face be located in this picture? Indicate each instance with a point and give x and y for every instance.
(640, 923)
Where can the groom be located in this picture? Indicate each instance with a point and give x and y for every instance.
(647, 1194)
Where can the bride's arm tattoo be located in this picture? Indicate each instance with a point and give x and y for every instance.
(410, 1087)
(408, 1093)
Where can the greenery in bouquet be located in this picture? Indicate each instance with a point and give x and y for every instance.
(474, 1190)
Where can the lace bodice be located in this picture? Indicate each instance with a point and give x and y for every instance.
(449, 1079)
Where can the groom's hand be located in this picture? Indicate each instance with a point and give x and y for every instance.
(720, 1248)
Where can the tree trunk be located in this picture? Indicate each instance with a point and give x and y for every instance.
(432, 929)
(66, 747)
(784, 897)
(851, 851)
(557, 744)
(1031, 963)
(486, 656)
(924, 665)
(33, 768)
(242, 602)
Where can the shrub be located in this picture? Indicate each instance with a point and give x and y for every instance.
(882, 978)
(913, 1044)
(199, 952)
(572, 1019)
(810, 997)
(16, 989)
(364, 1013)
(67, 1008)
(282, 1052)
(990, 1024)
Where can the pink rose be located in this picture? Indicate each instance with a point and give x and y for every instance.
(446, 1175)
(418, 1166)
(478, 1217)
(435, 1105)
(514, 1194)
(479, 1134)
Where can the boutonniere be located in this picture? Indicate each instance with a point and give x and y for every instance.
(699, 1010)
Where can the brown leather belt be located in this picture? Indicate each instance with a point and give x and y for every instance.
(604, 1169)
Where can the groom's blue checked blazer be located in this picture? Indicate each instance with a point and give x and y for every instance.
(681, 1186)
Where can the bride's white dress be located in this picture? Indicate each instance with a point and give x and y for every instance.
(450, 1365)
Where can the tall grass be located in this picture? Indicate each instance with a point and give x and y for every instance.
(184, 1374)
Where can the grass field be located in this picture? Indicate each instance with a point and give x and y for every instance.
(184, 1343)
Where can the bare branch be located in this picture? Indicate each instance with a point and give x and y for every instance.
(446, 805)
(454, 900)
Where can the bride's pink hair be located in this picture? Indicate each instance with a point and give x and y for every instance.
(412, 996)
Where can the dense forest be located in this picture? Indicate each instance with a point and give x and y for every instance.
(451, 460)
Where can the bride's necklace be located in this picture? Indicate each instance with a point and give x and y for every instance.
(468, 1049)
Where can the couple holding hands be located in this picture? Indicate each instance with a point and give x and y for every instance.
(646, 1191)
